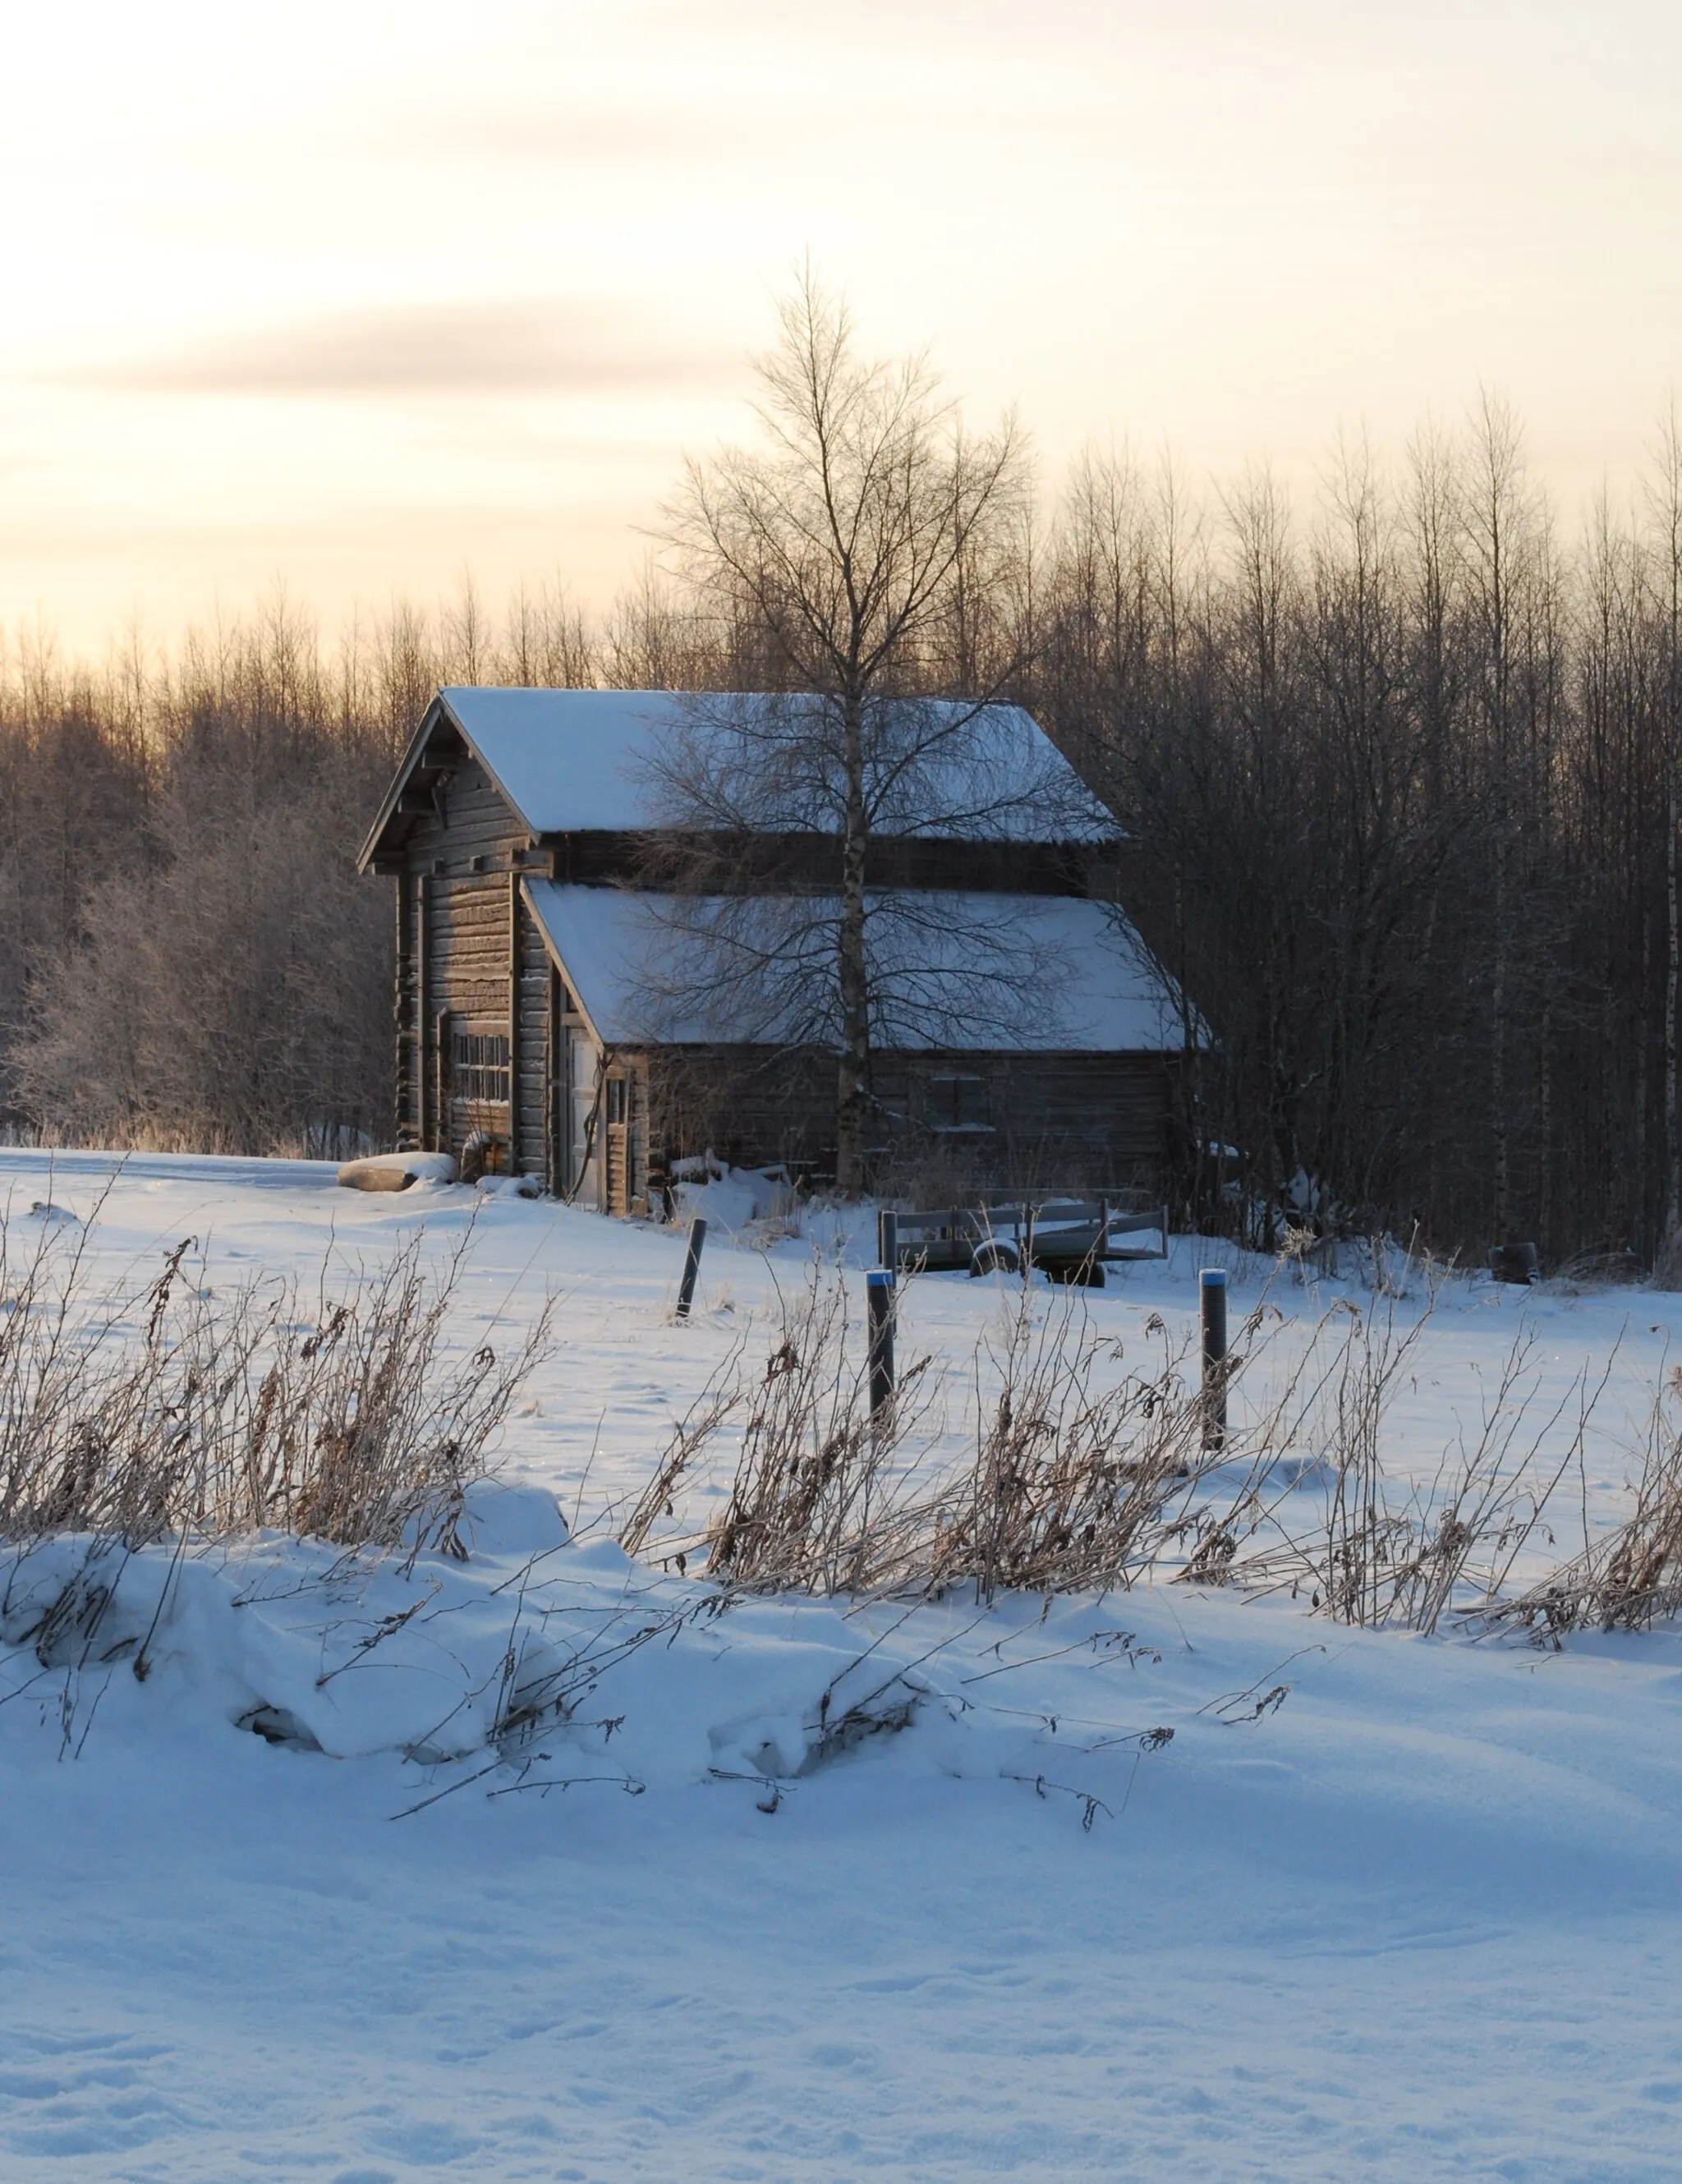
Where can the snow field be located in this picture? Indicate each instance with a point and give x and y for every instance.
(1415, 1918)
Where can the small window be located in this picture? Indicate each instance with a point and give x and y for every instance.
(616, 1107)
(479, 1066)
(957, 1103)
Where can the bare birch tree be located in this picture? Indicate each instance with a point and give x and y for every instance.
(1497, 528)
(1664, 494)
(848, 544)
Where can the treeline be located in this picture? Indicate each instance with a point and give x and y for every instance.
(1401, 787)
(188, 959)
(191, 961)
(1398, 776)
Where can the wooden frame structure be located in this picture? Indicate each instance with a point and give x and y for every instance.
(509, 1056)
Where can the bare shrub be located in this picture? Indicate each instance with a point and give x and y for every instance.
(227, 988)
(165, 1410)
(1307, 1255)
(1073, 1481)
(1627, 1580)
(816, 1504)
(1383, 1551)
(1078, 1480)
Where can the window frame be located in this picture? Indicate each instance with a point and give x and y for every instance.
(480, 1061)
(958, 1103)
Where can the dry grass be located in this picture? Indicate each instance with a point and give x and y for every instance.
(1086, 1476)
(1079, 1479)
(1349, 1560)
(1384, 1551)
(817, 1504)
(1633, 1577)
(162, 1408)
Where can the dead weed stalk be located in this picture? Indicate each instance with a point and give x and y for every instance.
(1384, 1551)
(1088, 1472)
(817, 1503)
(1633, 1576)
(1080, 1480)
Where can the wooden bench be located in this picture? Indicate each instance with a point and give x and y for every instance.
(1070, 1238)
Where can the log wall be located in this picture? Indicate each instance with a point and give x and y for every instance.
(1099, 1120)
(466, 947)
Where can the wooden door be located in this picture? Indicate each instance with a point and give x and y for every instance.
(584, 1131)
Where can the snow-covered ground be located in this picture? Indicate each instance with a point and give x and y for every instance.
(1417, 1918)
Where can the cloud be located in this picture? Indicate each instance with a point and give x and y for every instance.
(517, 345)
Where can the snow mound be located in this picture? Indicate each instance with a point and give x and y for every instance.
(536, 1661)
(510, 1186)
(500, 1518)
(529, 1651)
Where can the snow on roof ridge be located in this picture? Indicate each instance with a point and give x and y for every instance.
(580, 762)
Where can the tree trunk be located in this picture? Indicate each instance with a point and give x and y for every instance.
(1673, 972)
(852, 1103)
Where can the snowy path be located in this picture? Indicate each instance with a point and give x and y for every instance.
(23, 1164)
(1423, 1920)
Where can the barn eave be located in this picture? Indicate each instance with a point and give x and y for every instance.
(437, 750)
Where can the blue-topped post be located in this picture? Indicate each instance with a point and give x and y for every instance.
(1212, 1297)
(879, 1306)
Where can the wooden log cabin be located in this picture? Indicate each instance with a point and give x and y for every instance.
(517, 831)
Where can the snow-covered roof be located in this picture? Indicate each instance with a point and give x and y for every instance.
(985, 971)
(579, 760)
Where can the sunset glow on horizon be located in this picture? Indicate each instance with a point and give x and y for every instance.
(363, 296)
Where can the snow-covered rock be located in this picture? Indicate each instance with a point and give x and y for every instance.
(509, 1186)
(396, 1171)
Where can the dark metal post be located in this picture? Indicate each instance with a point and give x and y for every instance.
(887, 1239)
(879, 1304)
(691, 1265)
(1212, 1295)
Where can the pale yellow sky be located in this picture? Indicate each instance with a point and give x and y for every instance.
(360, 293)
